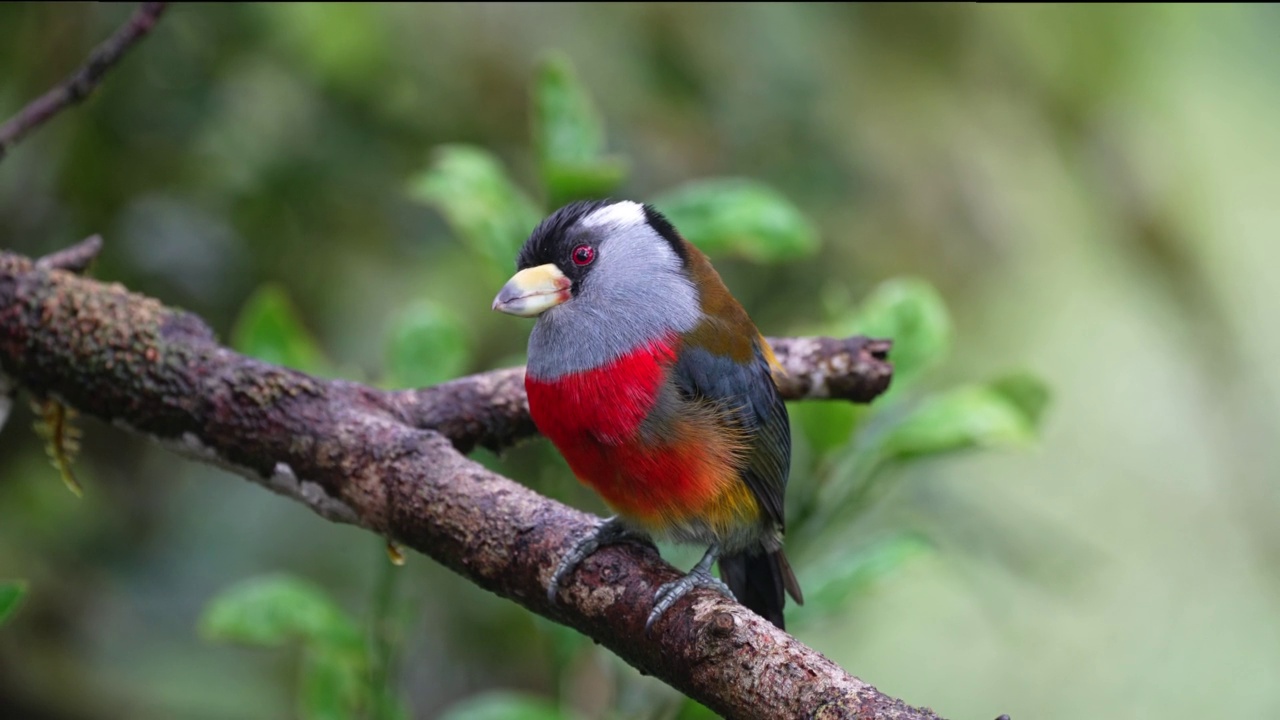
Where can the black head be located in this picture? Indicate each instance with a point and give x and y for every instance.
(563, 240)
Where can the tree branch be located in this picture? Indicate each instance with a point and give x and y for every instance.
(388, 462)
(76, 258)
(491, 410)
(80, 84)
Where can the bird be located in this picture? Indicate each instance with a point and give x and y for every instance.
(658, 390)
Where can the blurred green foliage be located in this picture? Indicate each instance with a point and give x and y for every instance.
(857, 448)
(274, 610)
(428, 345)
(504, 706)
(739, 217)
(1085, 191)
(11, 594)
(486, 210)
(569, 137)
(911, 313)
(840, 579)
(269, 329)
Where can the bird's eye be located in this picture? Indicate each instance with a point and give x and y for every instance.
(583, 255)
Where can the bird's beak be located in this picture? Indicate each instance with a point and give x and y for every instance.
(533, 291)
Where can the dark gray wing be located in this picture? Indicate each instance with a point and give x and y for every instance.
(705, 375)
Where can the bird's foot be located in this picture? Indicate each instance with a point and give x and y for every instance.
(699, 576)
(609, 532)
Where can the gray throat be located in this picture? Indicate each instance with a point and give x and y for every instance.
(598, 327)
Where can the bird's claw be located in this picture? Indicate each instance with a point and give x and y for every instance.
(609, 532)
(700, 576)
(612, 531)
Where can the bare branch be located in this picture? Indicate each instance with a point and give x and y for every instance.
(347, 452)
(497, 412)
(76, 258)
(80, 84)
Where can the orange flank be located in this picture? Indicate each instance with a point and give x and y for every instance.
(599, 420)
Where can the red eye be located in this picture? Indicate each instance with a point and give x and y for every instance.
(583, 255)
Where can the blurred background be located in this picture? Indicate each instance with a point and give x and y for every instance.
(1065, 508)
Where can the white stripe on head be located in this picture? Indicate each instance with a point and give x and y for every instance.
(620, 214)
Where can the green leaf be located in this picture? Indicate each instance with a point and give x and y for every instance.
(827, 424)
(1004, 413)
(739, 217)
(392, 707)
(11, 594)
(564, 646)
(693, 710)
(499, 705)
(276, 609)
(269, 329)
(847, 574)
(481, 204)
(333, 685)
(1029, 393)
(909, 312)
(428, 345)
(966, 417)
(569, 136)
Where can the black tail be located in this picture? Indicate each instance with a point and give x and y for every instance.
(760, 582)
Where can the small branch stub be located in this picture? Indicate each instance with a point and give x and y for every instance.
(76, 258)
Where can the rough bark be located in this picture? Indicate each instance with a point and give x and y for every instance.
(390, 462)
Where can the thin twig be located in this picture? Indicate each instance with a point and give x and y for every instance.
(80, 84)
(76, 258)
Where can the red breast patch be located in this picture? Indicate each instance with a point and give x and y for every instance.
(608, 402)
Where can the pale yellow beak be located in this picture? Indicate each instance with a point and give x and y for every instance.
(533, 291)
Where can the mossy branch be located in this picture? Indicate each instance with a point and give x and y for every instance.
(390, 462)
